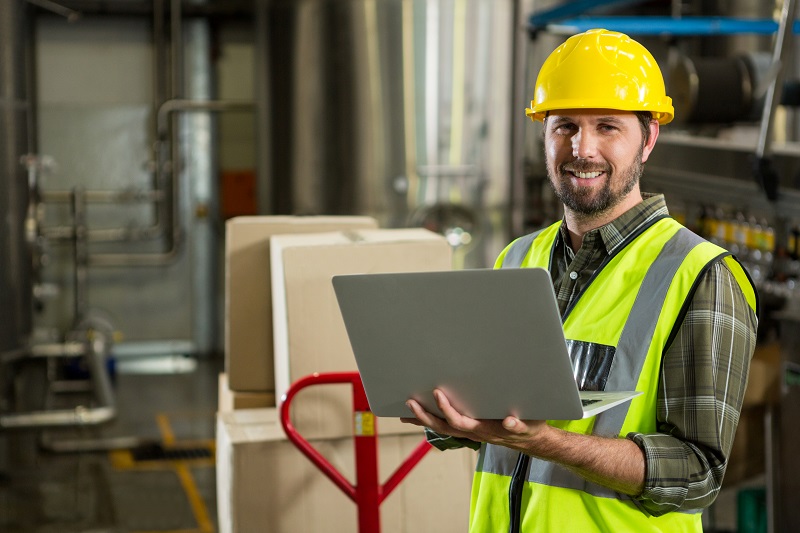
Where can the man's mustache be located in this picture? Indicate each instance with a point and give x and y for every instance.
(584, 166)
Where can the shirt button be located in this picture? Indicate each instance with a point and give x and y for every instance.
(573, 275)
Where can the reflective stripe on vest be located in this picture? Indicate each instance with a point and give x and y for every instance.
(660, 267)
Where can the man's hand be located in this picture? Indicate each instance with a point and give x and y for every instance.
(613, 462)
(510, 432)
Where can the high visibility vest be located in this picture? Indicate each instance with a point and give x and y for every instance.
(627, 312)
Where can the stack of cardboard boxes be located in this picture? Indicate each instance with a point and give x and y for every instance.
(249, 379)
(283, 323)
(748, 456)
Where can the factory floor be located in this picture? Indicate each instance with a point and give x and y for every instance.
(151, 469)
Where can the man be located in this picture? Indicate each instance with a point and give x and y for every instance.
(648, 305)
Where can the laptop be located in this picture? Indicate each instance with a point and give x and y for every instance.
(492, 340)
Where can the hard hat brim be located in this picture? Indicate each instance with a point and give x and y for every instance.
(664, 115)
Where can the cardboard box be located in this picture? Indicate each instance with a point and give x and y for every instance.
(248, 296)
(763, 382)
(748, 455)
(309, 333)
(230, 400)
(265, 484)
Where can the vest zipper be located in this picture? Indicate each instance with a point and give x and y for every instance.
(515, 493)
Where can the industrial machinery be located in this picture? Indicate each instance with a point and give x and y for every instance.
(85, 345)
(412, 112)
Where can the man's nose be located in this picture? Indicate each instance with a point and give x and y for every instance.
(584, 145)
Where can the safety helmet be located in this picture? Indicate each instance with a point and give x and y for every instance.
(601, 69)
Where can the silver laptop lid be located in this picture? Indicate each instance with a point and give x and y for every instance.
(491, 339)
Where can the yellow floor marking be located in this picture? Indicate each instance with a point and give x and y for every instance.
(167, 436)
(123, 460)
(187, 479)
(195, 499)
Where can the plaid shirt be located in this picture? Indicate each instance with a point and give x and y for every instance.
(704, 371)
(703, 376)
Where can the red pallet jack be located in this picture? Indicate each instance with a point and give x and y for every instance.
(367, 493)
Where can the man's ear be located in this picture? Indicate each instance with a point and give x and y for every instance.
(651, 141)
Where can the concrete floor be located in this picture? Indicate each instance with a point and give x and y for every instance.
(163, 480)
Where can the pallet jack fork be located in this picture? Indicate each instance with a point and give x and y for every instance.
(367, 493)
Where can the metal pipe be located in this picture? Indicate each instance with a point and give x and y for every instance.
(165, 112)
(180, 105)
(79, 415)
(516, 188)
(167, 198)
(263, 73)
(15, 107)
(781, 54)
(197, 140)
(166, 183)
(124, 196)
(242, 9)
(160, 69)
(58, 349)
(80, 256)
(129, 196)
(176, 49)
(156, 195)
(164, 222)
(409, 106)
(70, 14)
(136, 259)
(159, 66)
(131, 234)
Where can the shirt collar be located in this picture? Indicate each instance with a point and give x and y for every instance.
(615, 232)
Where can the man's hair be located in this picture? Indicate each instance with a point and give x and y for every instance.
(645, 117)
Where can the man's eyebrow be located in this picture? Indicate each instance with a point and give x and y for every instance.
(610, 118)
(558, 119)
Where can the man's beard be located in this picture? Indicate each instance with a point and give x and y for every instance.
(585, 200)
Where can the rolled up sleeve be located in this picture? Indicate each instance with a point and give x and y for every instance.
(446, 442)
(703, 380)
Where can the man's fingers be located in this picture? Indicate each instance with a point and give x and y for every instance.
(453, 417)
(429, 420)
(444, 405)
(422, 415)
(514, 425)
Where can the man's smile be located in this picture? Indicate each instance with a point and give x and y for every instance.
(580, 174)
(586, 175)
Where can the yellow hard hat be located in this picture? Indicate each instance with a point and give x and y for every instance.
(601, 69)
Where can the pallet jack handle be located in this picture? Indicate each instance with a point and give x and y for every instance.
(367, 493)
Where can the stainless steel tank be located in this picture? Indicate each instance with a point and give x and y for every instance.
(394, 109)
(15, 142)
(330, 90)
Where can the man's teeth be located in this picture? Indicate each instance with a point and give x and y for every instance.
(587, 175)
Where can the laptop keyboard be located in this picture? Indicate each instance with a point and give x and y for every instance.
(586, 402)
